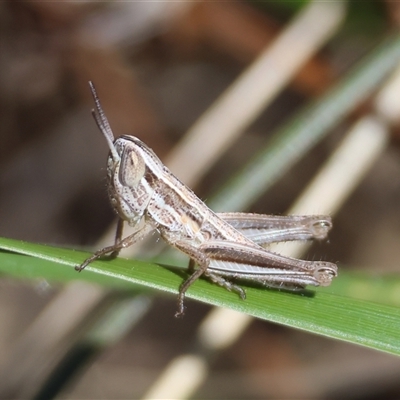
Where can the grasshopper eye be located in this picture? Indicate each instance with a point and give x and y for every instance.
(132, 168)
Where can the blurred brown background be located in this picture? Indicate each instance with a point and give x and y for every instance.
(157, 67)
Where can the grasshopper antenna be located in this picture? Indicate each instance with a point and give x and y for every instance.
(102, 122)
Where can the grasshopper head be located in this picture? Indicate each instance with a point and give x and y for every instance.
(128, 188)
(126, 168)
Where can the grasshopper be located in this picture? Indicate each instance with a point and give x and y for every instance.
(220, 246)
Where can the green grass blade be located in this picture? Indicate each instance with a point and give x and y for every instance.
(331, 312)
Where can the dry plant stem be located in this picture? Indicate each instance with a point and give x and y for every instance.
(243, 101)
(292, 141)
(243, 35)
(31, 359)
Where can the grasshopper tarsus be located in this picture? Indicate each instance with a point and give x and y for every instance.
(181, 312)
(90, 259)
(181, 307)
(112, 250)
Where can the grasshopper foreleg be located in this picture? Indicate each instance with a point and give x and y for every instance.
(119, 244)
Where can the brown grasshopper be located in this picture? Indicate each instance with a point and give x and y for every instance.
(149, 197)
